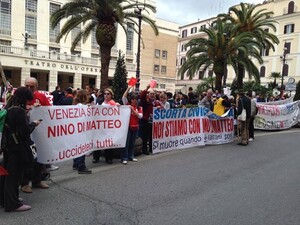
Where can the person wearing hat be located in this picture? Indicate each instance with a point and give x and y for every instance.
(244, 102)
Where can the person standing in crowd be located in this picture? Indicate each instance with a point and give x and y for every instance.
(108, 101)
(99, 101)
(81, 98)
(100, 97)
(39, 99)
(92, 97)
(207, 101)
(57, 95)
(176, 100)
(135, 116)
(163, 103)
(192, 97)
(251, 96)
(148, 101)
(244, 103)
(170, 100)
(17, 154)
(68, 98)
(221, 104)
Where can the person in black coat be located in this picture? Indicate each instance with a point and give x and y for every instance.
(244, 103)
(16, 149)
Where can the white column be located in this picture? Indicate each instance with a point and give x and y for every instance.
(52, 79)
(25, 73)
(77, 80)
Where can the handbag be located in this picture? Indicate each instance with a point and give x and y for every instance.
(33, 151)
(243, 115)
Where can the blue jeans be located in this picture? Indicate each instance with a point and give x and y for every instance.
(128, 151)
(79, 162)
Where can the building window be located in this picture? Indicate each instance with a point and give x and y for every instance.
(289, 28)
(262, 71)
(264, 52)
(291, 7)
(202, 27)
(162, 86)
(31, 5)
(129, 41)
(5, 17)
(157, 53)
(184, 34)
(182, 60)
(5, 42)
(201, 74)
(163, 69)
(164, 54)
(95, 56)
(74, 33)
(53, 33)
(54, 50)
(156, 68)
(193, 30)
(183, 48)
(31, 18)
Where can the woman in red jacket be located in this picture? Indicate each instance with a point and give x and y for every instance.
(135, 116)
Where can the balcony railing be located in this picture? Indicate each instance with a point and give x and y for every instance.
(52, 55)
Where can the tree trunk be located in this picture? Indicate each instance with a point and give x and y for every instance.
(105, 60)
(240, 76)
(218, 83)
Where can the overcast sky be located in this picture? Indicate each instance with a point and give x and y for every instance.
(189, 11)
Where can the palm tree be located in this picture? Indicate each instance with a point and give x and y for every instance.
(102, 16)
(275, 75)
(247, 18)
(217, 51)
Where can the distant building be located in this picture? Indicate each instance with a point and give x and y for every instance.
(286, 13)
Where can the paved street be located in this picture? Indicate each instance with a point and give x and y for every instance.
(214, 185)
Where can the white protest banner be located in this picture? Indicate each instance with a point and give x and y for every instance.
(220, 130)
(68, 132)
(176, 129)
(280, 102)
(276, 117)
(189, 127)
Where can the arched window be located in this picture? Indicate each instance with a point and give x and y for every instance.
(262, 72)
(291, 7)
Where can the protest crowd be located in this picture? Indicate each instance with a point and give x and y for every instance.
(24, 172)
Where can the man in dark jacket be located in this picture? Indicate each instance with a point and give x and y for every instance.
(244, 103)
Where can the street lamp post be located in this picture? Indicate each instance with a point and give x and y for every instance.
(138, 12)
(283, 57)
(26, 36)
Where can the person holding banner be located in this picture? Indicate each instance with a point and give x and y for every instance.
(108, 101)
(17, 154)
(244, 102)
(81, 98)
(148, 101)
(136, 114)
(39, 99)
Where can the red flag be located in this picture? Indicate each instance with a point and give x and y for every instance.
(3, 171)
(132, 81)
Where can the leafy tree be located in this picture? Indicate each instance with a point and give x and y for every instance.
(103, 16)
(275, 75)
(120, 78)
(206, 84)
(246, 18)
(217, 51)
